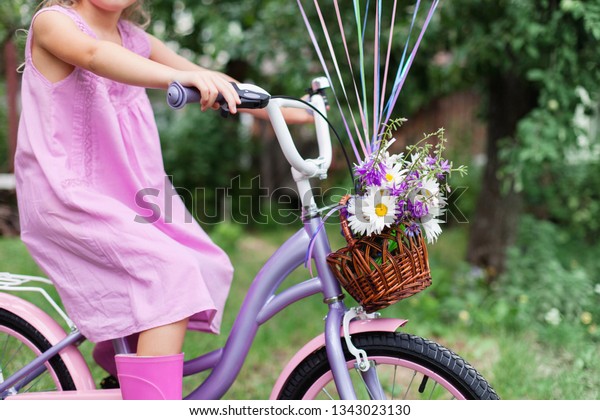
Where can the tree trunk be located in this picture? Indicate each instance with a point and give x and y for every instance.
(494, 227)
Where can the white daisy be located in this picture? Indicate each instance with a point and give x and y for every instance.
(384, 149)
(430, 188)
(380, 208)
(429, 194)
(432, 229)
(415, 161)
(393, 175)
(436, 211)
(357, 220)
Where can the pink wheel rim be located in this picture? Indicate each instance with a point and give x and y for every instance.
(320, 383)
(35, 350)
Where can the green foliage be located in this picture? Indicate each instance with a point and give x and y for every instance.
(550, 288)
(200, 147)
(556, 48)
(547, 281)
(204, 154)
(227, 235)
(551, 44)
(14, 14)
(264, 41)
(568, 195)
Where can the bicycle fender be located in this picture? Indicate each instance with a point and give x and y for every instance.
(54, 333)
(356, 327)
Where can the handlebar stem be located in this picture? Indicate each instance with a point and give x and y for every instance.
(306, 167)
(303, 169)
(310, 168)
(323, 136)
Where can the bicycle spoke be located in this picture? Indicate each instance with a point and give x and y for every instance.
(14, 354)
(327, 393)
(3, 352)
(410, 384)
(10, 354)
(394, 381)
(36, 381)
(30, 381)
(432, 389)
(20, 344)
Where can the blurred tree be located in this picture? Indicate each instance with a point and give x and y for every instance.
(531, 60)
(260, 40)
(11, 19)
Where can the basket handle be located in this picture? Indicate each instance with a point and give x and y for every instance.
(346, 232)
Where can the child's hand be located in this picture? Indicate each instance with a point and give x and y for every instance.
(210, 84)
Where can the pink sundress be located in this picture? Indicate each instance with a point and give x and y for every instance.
(98, 213)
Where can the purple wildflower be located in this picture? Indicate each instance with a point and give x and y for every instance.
(401, 208)
(445, 166)
(370, 173)
(430, 161)
(398, 190)
(412, 229)
(344, 212)
(417, 209)
(412, 176)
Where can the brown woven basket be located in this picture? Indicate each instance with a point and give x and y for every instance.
(380, 270)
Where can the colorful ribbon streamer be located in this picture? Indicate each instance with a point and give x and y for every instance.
(369, 124)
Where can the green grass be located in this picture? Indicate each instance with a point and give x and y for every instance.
(519, 364)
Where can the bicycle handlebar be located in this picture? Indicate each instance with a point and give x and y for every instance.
(253, 97)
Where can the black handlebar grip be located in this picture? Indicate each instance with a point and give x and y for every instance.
(178, 96)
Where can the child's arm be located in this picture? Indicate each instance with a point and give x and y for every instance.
(163, 54)
(57, 41)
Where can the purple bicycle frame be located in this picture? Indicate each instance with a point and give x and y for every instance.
(261, 304)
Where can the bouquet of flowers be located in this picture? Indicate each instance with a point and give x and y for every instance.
(406, 189)
(399, 200)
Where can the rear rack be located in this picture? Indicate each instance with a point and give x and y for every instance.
(21, 283)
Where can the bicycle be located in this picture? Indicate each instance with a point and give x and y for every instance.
(358, 356)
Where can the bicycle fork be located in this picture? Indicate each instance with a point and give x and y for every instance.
(339, 317)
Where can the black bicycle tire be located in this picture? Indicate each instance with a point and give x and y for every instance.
(21, 326)
(426, 353)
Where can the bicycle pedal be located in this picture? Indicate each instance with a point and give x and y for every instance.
(110, 382)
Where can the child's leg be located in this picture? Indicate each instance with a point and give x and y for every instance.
(162, 341)
(104, 353)
(156, 372)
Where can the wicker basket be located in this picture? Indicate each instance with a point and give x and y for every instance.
(380, 270)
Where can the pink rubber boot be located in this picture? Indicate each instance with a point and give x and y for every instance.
(150, 378)
(104, 353)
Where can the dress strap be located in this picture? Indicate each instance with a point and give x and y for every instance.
(134, 38)
(83, 26)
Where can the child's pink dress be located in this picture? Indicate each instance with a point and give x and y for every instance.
(98, 213)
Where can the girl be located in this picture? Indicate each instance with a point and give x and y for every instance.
(87, 145)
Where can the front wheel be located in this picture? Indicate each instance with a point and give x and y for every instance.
(407, 366)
